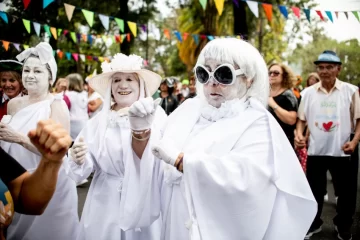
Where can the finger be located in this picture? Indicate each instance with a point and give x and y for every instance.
(32, 133)
(60, 145)
(81, 154)
(46, 131)
(139, 109)
(53, 137)
(81, 139)
(79, 147)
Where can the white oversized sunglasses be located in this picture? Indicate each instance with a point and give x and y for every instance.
(224, 74)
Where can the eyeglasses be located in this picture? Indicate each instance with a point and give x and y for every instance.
(327, 67)
(224, 74)
(274, 73)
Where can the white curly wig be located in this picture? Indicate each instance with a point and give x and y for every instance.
(246, 57)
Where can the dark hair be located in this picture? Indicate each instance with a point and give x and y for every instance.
(288, 77)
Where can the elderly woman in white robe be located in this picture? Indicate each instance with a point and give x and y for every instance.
(230, 172)
(60, 219)
(115, 146)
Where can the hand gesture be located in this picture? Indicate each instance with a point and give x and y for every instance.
(51, 140)
(166, 152)
(142, 113)
(349, 147)
(300, 141)
(8, 134)
(78, 151)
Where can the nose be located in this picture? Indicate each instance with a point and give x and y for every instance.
(213, 82)
(7, 84)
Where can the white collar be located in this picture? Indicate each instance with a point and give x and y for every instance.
(227, 109)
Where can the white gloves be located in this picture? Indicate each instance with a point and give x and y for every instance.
(142, 112)
(78, 151)
(8, 134)
(166, 152)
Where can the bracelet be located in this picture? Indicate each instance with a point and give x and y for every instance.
(141, 139)
(140, 132)
(274, 108)
(179, 160)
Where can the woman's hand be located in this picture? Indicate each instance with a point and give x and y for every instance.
(51, 140)
(271, 102)
(142, 113)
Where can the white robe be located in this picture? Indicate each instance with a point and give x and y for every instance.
(110, 206)
(60, 220)
(242, 180)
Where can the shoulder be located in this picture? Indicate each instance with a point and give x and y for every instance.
(59, 106)
(349, 87)
(14, 105)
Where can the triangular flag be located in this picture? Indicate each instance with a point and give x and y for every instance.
(104, 38)
(320, 15)
(59, 31)
(26, 3)
(54, 53)
(185, 35)
(84, 37)
(328, 13)
(236, 3)
(356, 15)
(219, 4)
(196, 38)
(307, 14)
(101, 59)
(4, 17)
(68, 55)
(54, 33)
(296, 11)
(268, 10)
(17, 46)
(82, 57)
(128, 37)
(178, 36)
(27, 25)
(60, 54)
(46, 3)
(65, 32)
(284, 11)
(37, 28)
(210, 37)
(337, 14)
(346, 14)
(89, 16)
(89, 57)
(120, 23)
(69, 9)
(203, 3)
(90, 38)
(6, 45)
(105, 21)
(76, 56)
(26, 46)
(133, 28)
(73, 37)
(254, 7)
(47, 30)
(123, 36)
(95, 58)
(167, 33)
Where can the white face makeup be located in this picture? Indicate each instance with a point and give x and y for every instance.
(216, 93)
(125, 88)
(35, 76)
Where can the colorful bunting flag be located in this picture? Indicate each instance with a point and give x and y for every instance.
(307, 14)
(54, 33)
(6, 45)
(105, 21)
(69, 9)
(268, 10)
(89, 16)
(47, 30)
(196, 38)
(219, 4)
(356, 15)
(284, 11)
(17, 46)
(346, 14)
(337, 14)
(236, 3)
(84, 37)
(296, 11)
(132, 27)
(101, 59)
(76, 56)
(59, 31)
(46, 3)
(37, 28)
(27, 25)
(82, 57)
(254, 7)
(210, 37)
(104, 38)
(68, 55)
(26, 3)
(65, 32)
(178, 36)
(60, 54)
(320, 15)
(203, 3)
(128, 37)
(73, 37)
(26, 46)
(185, 35)
(54, 53)
(167, 33)
(4, 17)
(328, 13)
(90, 39)
(120, 23)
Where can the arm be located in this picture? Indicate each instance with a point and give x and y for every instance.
(350, 146)
(287, 115)
(94, 104)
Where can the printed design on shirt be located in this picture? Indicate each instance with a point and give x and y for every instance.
(327, 118)
(6, 207)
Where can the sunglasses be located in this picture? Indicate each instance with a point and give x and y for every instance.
(224, 74)
(274, 73)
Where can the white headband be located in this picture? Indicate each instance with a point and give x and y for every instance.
(45, 53)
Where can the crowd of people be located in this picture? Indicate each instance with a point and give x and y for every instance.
(232, 153)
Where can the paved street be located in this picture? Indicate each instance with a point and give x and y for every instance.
(328, 213)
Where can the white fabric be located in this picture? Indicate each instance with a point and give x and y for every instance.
(118, 191)
(93, 97)
(45, 53)
(78, 112)
(242, 179)
(60, 220)
(329, 120)
(142, 113)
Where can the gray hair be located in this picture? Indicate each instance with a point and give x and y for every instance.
(242, 54)
(76, 82)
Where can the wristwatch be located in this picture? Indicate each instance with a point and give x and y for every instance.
(274, 108)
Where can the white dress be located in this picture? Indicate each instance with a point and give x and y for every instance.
(78, 112)
(60, 219)
(241, 180)
(111, 205)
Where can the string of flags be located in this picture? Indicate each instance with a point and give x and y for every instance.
(61, 54)
(269, 8)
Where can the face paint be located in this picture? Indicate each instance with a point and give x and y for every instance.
(216, 93)
(125, 88)
(35, 76)
(10, 85)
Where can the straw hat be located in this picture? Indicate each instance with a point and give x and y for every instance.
(124, 64)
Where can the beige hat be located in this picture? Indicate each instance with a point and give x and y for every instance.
(125, 64)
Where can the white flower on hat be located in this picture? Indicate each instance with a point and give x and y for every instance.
(122, 62)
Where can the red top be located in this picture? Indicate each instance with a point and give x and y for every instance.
(3, 109)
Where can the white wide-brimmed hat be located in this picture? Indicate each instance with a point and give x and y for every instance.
(124, 64)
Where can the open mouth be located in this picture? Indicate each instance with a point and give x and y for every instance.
(124, 93)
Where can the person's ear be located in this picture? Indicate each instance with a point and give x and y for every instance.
(249, 83)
